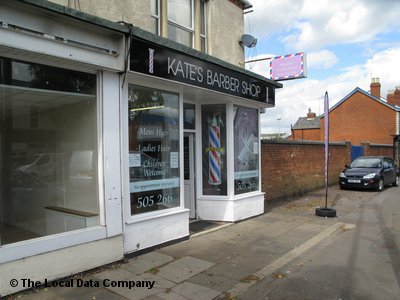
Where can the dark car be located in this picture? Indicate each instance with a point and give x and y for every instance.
(372, 172)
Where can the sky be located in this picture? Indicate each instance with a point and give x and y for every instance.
(346, 42)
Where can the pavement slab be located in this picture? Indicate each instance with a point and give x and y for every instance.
(146, 262)
(204, 248)
(168, 295)
(160, 285)
(184, 268)
(232, 270)
(115, 274)
(191, 290)
(214, 281)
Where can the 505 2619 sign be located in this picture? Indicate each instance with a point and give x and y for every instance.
(154, 199)
(246, 185)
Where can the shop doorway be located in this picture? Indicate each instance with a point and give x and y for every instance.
(189, 173)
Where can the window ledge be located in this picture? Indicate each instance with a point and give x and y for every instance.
(151, 216)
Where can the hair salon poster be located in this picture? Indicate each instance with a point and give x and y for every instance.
(246, 149)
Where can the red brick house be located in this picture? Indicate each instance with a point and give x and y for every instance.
(359, 117)
(307, 128)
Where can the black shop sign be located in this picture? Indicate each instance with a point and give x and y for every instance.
(152, 59)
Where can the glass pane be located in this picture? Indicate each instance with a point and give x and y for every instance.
(49, 151)
(189, 113)
(180, 36)
(203, 45)
(51, 78)
(154, 25)
(154, 7)
(186, 158)
(153, 149)
(180, 12)
(202, 18)
(246, 145)
(213, 119)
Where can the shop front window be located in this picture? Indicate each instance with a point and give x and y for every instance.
(213, 119)
(153, 149)
(48, 151)
(246, 145)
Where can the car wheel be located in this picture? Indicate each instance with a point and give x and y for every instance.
(325, 212)
(380, 185)
(396, 181)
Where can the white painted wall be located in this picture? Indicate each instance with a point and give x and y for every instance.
(134, 12)
(61, 263)
(225, 28)
(142, 233)
(51, 27)
(230, 210)
(225, 22)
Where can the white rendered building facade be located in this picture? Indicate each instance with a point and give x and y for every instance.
(114, 138)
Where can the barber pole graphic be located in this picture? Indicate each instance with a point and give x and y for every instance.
(151, 60)
(214, 152)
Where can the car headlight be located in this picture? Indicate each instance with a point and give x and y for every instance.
(342, 175)
(372, 175)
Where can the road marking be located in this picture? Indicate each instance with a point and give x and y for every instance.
(284, 259)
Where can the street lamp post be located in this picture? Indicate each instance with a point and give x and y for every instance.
(279, 127)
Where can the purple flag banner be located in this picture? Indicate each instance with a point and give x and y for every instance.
(326, 116)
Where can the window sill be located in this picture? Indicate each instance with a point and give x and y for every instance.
(49, 243)
(155, 215)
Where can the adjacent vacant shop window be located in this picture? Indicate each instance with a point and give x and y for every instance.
(48, 150)
(153, 149)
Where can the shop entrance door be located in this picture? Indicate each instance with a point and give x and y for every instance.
(189, 174)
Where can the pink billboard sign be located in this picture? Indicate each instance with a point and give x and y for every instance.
(287, 67)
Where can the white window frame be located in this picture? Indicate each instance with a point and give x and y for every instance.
(157, 16)
(230, 155)
(185, 28)
(53, 242)
(204, 17)
(140, 80)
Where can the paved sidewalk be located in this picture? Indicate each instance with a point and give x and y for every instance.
(218, 264)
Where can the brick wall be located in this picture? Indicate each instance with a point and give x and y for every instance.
(371, 149)
(306, 134)
(292, 168)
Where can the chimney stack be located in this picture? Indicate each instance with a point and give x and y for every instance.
(375, 88)
(393, 96)
(311, 115)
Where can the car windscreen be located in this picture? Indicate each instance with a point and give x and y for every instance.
(366, 163)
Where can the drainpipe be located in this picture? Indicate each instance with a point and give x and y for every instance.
(396, 138)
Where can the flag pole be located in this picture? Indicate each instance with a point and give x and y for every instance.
(326, 212)
(326, 113)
